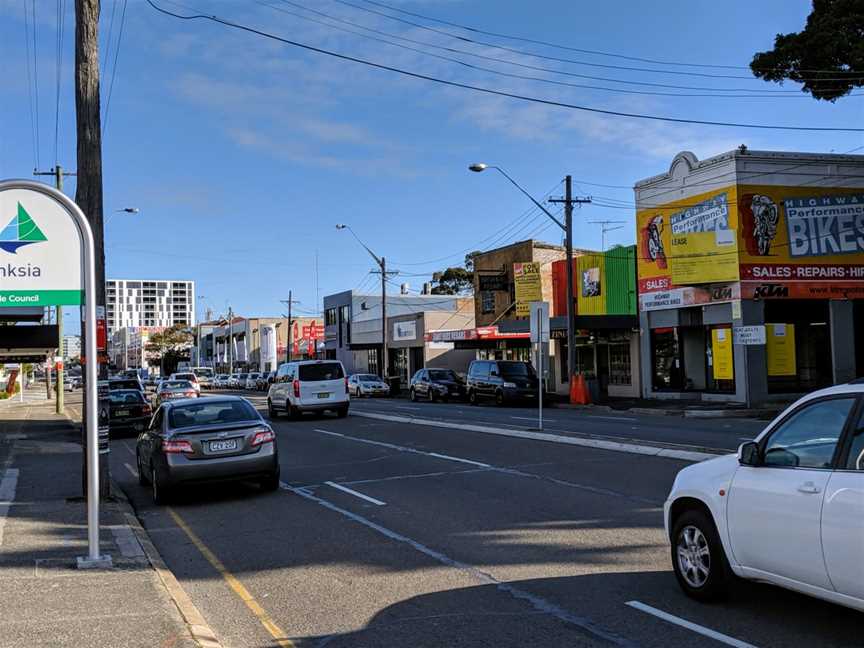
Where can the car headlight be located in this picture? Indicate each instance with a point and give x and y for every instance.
(509, 385)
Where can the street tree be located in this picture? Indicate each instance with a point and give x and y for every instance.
(170, 347)
(827, 56)
(453, 281)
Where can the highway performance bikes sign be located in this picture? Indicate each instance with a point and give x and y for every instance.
(40, 251)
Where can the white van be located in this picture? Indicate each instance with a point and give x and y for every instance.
(309, 386)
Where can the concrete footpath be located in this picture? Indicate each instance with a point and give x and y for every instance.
(44, 599)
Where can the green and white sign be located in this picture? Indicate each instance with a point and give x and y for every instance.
(40, 251)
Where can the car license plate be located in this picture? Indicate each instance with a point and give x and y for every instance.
(222, 446)
(323, 394)
(121, 413)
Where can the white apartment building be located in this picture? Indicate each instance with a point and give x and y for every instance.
(135, 303)
(71, 347)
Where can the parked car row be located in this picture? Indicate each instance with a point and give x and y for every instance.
(253, 381)
(501, 381)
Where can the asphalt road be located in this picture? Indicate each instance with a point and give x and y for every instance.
(721, 434)
(451, 538)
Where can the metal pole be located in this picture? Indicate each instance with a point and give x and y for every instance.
(383, 319)
(60, 394)
(568, 233)
(540, 381)
(290, 327)
(230, 341)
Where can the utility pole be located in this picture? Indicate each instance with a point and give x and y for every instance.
(290, 301)
(230, 341)
(569, 201)
(382, 264)
(57, 172)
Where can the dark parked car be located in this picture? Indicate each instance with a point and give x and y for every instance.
(204, 440)
(435, 384)
(128, 411)
(134, 382)
(501, 380)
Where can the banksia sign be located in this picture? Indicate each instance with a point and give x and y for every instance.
(40, 255)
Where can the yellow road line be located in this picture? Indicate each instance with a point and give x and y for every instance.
(247, 598)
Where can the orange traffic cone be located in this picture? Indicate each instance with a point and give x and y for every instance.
(583, 387)
(579, 390)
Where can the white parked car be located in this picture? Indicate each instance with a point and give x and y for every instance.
(190, 376)
(367, 385)
(221, 381)
(252, 380)
(309, 386)
(787, 510)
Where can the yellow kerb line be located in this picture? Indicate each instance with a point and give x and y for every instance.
(247, 598)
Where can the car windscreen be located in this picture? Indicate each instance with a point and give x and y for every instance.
(516, 370)
(321, 371)
(211, 411)
(441, 374)
(203, 373)
(185, 376)
(176, 384)
(114, 385)
(370, 378)
(126, 397)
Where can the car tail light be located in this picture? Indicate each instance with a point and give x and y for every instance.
(346, 384)
(264, 435)
(296, 388)
(190, 394)
(176, 447)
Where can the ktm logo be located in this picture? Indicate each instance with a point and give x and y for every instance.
(767, 291)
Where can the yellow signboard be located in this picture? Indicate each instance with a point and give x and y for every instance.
(529, 287)
(704, 257)
(721, 353)
(780, 349)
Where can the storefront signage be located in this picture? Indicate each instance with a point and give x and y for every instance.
(494, 282)
(747, 335)
(689, 296)
(780, 349)
(404, 330)
(40, 254)
(702, 243)
(721, 354)
(480, 333)
(823, 225)
(526, 277)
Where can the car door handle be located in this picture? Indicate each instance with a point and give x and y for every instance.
(808, 487)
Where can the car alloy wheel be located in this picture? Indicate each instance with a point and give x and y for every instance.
(499, 398)
(694, 556)
(413, 396)
(142, 478)
(271, 412)
(472, 397)
(159, 495)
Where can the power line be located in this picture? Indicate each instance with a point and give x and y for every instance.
(33, 119)
(61, 28)
(35, 77)
(565, 47)
(108, 40)
(114, 69)
(773, 94)
(490, 91)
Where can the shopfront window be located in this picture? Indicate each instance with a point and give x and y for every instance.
(399, 364)
(372, 361)
(666, 359)
(719, 360)
(798, 345)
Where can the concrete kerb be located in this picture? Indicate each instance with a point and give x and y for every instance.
(599, 444)
(200, 630)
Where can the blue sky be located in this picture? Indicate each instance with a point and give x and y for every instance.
(242, 154)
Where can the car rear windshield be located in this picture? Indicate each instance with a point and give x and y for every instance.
(210, 411)
(203, 372)
(177, 384)
(126, 396)
(114, 385)
(321, 371)
(441, 374)
(516, 369)
(185, 376)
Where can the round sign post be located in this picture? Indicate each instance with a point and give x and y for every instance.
(38, 230)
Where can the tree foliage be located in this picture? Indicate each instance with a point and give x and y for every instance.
(169, 347)
(453, 281)
(827, 56)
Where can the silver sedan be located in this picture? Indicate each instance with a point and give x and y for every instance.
(206, 440)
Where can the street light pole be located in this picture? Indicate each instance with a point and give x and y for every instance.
(567, 227)
(382, 265)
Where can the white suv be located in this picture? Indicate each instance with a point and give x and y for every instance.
(787, 510)
(309, 386)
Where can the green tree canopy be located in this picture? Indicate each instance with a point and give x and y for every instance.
(169, 347)
(827, 57)
(453, 281)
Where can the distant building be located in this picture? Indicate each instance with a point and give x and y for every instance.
(150, 303)
(71, 347)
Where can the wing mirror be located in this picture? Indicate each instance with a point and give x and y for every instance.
(748, 454)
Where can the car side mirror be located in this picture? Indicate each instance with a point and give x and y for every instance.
(748, 454)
